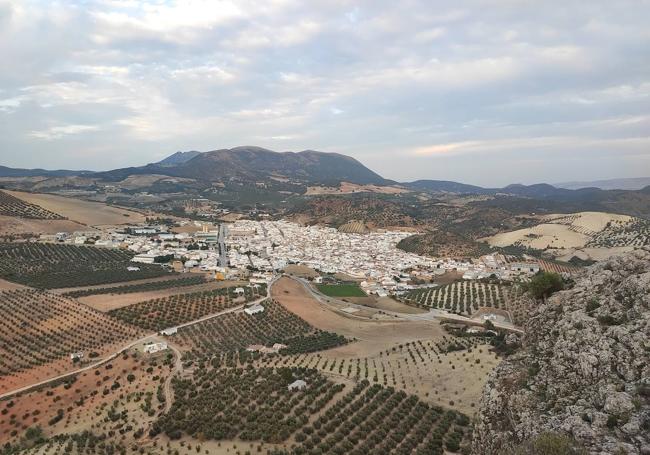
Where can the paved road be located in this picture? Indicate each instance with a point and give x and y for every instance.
(223, 254)
(144, 339)
(433, 313)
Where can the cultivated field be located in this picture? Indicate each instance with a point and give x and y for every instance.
(236, 331)
(84, 212)
(579, 231)
(461, 297)
(192, 280)
(387, 350)
(49, 266)
(15, 207)
(39, 331)
(98, 407)
(397, 387)
(11, 226)
(324, 417)
(170, 311)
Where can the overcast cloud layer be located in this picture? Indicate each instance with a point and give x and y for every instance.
(485, 92)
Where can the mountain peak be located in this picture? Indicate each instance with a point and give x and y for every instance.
(178, 158)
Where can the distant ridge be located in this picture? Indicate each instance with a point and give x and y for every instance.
(17, 172)
(637, 183)
(445, 186)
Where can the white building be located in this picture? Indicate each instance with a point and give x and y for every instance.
(254, 309)
(144, 258)
(170, 331)
(297, 385)
(525, 267)
(152, 348)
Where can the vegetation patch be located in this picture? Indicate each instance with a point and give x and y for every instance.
(341, 290)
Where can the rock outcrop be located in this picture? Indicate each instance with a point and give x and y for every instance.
(583, 370)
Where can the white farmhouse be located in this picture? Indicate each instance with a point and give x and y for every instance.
(152, 348)
(254, 309)
(297, 385)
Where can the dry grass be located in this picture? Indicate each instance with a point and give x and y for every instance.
(84, 212)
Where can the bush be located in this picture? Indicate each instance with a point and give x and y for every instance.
(544, 284)
(548, 444)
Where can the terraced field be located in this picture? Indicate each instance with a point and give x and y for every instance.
(41, 329)
(461, 297)
(236, 331)
(50, 266)
(161, 313)
(13, 206)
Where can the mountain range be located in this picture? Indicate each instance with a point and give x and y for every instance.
(254, 166)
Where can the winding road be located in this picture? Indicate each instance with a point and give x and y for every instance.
(433, 313)
(149, 337)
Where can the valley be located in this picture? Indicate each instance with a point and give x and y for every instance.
(279, 310)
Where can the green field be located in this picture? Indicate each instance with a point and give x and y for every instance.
(341, 290)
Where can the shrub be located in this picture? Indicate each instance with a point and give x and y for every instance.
(544, 284)
(548, 444)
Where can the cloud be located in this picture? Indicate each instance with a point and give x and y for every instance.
(417, 91)
(57, 132)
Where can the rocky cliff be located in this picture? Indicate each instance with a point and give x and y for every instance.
(583, 370)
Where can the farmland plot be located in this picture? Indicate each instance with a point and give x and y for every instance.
(321, 418)
(50, 266)
(236, 331)
(462, 297)
(140, 287)
(39, 331)
(12, 206)
(164, 312)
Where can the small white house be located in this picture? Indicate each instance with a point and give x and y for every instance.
(133, 269)
(239, 291)
(76, 356)
(170, 331)
(144, 258)
(297, 385)
(152, 348)
(254, 309)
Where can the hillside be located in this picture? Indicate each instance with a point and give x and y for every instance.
(583, 370)
(442, 243)
(590, 233)
(255, 164)
(178, 158)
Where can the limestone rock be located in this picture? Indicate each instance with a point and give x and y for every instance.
(584, 366)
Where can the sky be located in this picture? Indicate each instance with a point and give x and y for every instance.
(482, 92)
